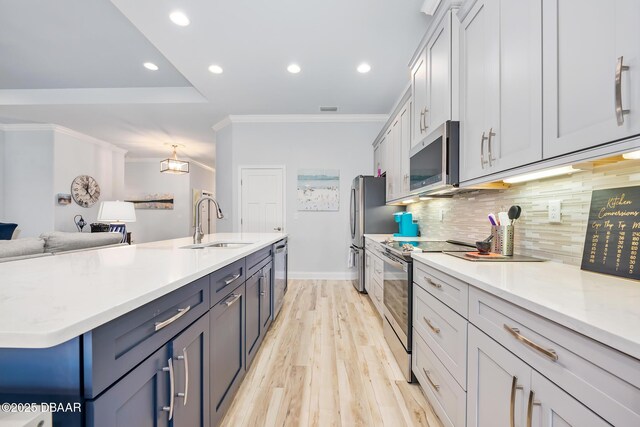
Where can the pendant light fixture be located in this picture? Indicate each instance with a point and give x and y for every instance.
(173, 165)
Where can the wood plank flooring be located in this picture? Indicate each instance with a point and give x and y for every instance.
(324, 362)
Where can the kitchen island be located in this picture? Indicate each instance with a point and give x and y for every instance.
(158, 333)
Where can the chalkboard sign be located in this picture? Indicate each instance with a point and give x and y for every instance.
(613, 233)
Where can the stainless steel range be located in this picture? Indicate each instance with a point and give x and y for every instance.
(398, 294)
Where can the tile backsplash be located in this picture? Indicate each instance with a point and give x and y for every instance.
(464, 216)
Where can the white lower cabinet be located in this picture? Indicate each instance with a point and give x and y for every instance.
(374, 276)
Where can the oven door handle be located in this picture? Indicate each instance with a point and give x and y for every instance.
(393, 262)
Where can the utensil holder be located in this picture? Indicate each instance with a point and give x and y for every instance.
(502, 242)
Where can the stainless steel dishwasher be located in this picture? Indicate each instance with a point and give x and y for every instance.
(280, 260)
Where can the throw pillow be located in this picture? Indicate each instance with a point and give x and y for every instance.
(6, 230)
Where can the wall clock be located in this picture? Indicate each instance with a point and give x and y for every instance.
(85, 190)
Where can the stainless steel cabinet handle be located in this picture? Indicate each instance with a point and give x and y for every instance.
(482, 160)
(260, 279)
(165, 323)
(512, 406)
(421, 121)
(491, 135)
(232, 279)
(433, 328)
(232, 299)
(551, 354)
(530, 404)
(185, 357)
(432, 283)
(434, 385)
(424, 119)
(169, 408)
(620, 67)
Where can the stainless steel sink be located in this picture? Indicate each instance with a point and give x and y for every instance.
(229, 245)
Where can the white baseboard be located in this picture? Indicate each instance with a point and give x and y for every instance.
(339, 275)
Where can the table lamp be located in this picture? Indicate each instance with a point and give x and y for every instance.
(117, 214)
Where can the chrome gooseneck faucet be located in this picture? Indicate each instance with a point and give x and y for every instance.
(197, 233)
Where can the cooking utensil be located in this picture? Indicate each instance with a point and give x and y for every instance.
(483, 247)
(492, 219)
(513, 210)
(518, 212)
(503, 219)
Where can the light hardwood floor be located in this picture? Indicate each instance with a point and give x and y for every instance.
(325, 362)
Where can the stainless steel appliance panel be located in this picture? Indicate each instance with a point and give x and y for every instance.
(357, 255)
(280, 272)
(434, 163)
(397, 297)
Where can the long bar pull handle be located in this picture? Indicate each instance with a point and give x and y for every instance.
(261, 285)
(432, 283)
(232, 279)
(620, 67)
(232, 299)
(185, 357)
(531, 403)
(491, 135)
(424, 119)
(169, 408)
(433, 384)
(165, 323)
(515, 332)
(435, 329)
(482, 160)
(512, 406)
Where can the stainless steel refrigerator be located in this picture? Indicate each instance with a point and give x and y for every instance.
(368, 215)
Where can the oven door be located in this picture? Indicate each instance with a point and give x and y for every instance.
(397, 297)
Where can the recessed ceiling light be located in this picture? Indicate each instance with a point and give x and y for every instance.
(179, 18)
(150, 66)
(215, 69)
(294, 68)
(364, 68)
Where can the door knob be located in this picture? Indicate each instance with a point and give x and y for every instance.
(277, 229)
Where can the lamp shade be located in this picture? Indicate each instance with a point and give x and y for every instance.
(117, 212)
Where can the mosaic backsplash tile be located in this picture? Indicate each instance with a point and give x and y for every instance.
(465, 215)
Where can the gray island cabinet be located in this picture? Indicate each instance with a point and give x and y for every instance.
(175, 361)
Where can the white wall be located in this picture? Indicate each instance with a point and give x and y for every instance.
(224, 176)
(142, 176)
(28, 181)
(76, 155)
(39, 162)
(319, 241)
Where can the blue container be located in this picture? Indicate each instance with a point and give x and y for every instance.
(407, 227)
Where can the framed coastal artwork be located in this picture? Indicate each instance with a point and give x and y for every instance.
(318, 190)
(153, 201)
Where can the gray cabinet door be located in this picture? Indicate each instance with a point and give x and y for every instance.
(190, 352)
(227, 353)
(253, 318)
(266, 297)
(137, 399)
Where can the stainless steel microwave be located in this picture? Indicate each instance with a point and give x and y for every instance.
(434, 162)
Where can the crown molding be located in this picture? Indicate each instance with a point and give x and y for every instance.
(300, 118)
(158, 159)
(49, 127)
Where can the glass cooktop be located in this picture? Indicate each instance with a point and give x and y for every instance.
(431, 246)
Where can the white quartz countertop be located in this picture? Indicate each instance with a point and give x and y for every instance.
(602, 307)
(47, 301)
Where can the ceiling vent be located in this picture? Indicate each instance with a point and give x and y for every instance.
(328, 109)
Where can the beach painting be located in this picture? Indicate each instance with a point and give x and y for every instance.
(318, 190)
(153, 201)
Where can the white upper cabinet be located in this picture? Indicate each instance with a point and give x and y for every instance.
(419, 98)
(501, 87)
(405, 146)
(433, 79)
(390, 160)
(588, 45)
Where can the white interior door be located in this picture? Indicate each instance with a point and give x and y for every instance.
(261, 200)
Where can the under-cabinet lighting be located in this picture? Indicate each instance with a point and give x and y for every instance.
(564, 170)
(423, 198)
(408, 201)
(179, 18)
(634, 155)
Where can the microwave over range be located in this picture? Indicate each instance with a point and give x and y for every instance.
(434, 162)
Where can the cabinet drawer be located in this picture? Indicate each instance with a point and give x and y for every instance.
(603, 379)
(447, 289)
(254, 259)
(377, 297)
(113, 349)
(446, 396)
(226, 279)
(378, 270)
(444, 331)
(369, 244)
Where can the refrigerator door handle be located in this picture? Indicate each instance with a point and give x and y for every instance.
(352, 213)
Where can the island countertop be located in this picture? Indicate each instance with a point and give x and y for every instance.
(47, 301)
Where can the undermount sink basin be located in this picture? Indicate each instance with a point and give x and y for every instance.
(229, 245)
